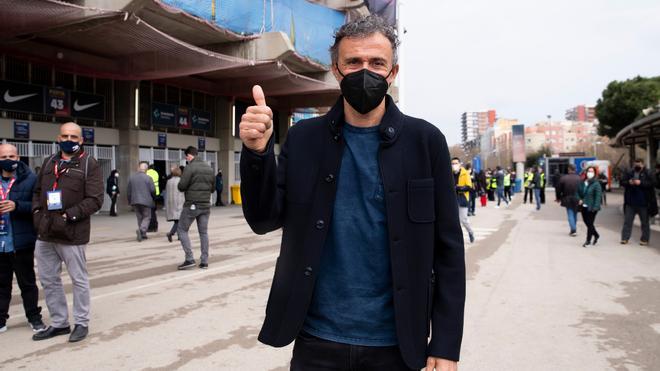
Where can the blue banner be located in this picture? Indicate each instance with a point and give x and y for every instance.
(163, 114)
(201, 120)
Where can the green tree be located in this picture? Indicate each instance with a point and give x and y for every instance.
(533, 158)
(623, 101)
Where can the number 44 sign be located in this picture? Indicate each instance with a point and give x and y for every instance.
(58, 102)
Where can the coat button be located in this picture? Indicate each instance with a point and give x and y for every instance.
(308, 271)
(336, 138)
(320, 224)
(389, 132)
(329, 178)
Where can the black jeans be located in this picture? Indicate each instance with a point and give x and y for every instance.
(530, 192)
(507, 192)
(473, 202)
(113, 205)
(589, 218)
(174, 228)
(629, 218)
(218, 200)
(21, 263)
(313, 354)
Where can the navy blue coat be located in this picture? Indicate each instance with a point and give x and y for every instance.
(426, 243)
(21, 218)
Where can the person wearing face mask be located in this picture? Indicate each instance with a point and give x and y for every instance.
(368, 209)
(68, 191)
(17, 238)
(590, 197)
(638, 199)
(463, 187)
(112, 189)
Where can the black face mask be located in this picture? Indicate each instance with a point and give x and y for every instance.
(8, 165)
(69, 146)
(363, 90)
(638, 168)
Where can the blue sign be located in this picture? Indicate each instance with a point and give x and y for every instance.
(163, 114)
(21, 130)
(162, 140)
(476, 164)
(88, 135)
(201, 144)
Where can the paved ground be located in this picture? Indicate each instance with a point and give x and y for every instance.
(537, 300)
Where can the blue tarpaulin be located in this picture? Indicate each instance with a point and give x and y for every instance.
(310, 27)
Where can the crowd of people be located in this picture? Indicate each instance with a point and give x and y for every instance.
(45, 215)
(580, 194)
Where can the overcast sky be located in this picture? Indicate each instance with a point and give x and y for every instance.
(526, 59)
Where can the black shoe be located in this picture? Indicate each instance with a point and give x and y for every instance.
(596, 239)
(573, 234)
(471, 235)
(203, 265)
(169, 237)
(79, 333)
(37, 325)
(186, 264)
(51, 332)
(139, 235)
(586, 243)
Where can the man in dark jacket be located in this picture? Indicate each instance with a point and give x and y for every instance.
(69, 190)
(567, 188)
(17, 237)
(638, 199)
(198, 183)
(141, 193)
(218, 188)
(372, 249)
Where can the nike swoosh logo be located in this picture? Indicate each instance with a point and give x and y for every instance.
(11, 99)
(77, 107)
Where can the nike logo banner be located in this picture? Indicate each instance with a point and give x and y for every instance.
(88, 106)
(16, 96)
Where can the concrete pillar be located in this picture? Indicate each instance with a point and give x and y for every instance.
(223, 131)
(631, 155)
(652, 151)
(128, 152)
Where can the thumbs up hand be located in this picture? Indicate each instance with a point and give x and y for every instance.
(256, 125)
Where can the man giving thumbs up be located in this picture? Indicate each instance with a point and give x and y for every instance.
(372, 258)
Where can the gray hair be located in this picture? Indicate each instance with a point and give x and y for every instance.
(364, 27)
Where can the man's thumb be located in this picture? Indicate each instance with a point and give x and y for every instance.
(258, 95)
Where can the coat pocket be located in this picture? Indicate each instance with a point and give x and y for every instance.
(421, 200)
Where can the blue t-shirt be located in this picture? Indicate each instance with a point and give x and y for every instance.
(7, 238)
(352, 301)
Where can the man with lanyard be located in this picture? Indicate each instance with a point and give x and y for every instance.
(68, 191)
(372, 256)
(17, 238)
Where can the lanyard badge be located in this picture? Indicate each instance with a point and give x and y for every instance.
(4, 217)
(54, 197)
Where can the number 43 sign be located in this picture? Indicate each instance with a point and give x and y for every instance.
(58, 102)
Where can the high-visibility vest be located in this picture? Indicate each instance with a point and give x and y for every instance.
(542, 177)
(153, 174)
(487, 183)
(507, 180)
(493, 183)
(528, 179)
